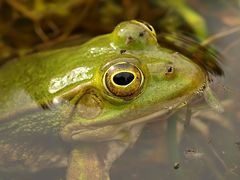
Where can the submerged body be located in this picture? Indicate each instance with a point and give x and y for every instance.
(102, 91)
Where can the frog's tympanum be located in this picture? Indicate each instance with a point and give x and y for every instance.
(55, 104)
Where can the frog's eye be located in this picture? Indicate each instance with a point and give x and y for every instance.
(123, 80)
(149, 27)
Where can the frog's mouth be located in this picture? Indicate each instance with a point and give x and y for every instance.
(113, 129)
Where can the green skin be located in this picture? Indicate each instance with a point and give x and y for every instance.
(52, 102)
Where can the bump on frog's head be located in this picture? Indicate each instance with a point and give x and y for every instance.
(134, 35)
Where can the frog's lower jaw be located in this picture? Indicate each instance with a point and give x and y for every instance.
(94, 161)
(114, 129)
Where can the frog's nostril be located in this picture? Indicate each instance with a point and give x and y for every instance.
(142, 33)
(169, 70)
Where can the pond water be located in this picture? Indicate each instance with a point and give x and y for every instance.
(209, 147)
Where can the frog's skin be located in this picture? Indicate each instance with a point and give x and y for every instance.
(52, 102)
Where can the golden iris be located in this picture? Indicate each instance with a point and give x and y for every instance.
(124, 80)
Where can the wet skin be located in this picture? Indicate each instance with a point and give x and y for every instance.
(102, 91)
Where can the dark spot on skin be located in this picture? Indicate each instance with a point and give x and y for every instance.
(169, 70)
(141, 34)
(122, 51)
(190, 150)
(176, 165)
(129, 40)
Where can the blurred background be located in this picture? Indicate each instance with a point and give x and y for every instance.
(209, 148)
(25, 24)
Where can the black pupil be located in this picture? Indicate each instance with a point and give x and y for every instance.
(123, 78)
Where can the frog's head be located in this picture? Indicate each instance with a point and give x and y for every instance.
(139, 82)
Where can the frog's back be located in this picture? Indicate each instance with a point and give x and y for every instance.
(39, 77)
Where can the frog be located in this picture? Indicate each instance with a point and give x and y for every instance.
(81, 107)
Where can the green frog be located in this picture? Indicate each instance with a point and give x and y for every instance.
(81, 107)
